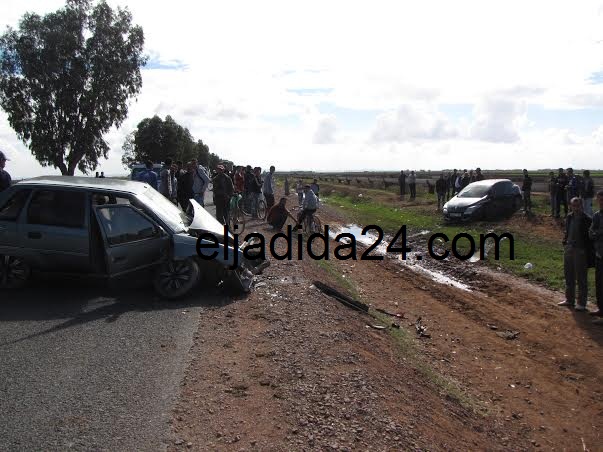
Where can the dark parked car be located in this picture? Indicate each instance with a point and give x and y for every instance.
(109, 228)
(486, 199)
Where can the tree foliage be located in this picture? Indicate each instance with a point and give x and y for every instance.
(155, 139)
(66, 79)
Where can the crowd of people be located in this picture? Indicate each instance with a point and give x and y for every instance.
(180, 183)
(447, 185)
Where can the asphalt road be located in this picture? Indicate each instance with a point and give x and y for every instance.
(87, 367)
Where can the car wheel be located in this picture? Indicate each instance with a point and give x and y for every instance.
(174, 279)
(14, 272)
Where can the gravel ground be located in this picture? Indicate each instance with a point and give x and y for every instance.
(87, 368)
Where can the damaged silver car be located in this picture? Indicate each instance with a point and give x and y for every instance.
(113, 229)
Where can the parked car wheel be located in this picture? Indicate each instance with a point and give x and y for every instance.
(173, 279)
(14, 272)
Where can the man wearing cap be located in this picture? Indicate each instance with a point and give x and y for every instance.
(5, 179)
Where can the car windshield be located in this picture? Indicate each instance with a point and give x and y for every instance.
(164, 209)
(474, 191)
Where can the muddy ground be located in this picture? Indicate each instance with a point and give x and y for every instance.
(289, 368)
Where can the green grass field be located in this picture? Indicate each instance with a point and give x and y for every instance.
(545, 253)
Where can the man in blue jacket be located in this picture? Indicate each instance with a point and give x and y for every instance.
(148, 176)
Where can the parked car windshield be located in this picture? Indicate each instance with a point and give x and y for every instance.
(166, 210)
(475, 191)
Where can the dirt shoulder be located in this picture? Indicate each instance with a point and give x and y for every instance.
(288, 368)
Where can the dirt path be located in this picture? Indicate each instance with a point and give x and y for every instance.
(288, 368)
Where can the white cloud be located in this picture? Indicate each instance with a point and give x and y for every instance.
(498, 119)
(421, 122)
(325, 130)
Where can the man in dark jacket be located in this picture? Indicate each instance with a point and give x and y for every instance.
(5, 180)
(223, 190)
(553, 193)
(575, 259)
(588, 192)
(452, 182)
(402, 184)
(526, 189)
(479, 175)
(561, 193)
(185, 187)
(596, 236)
(277, 215)
(440, 188)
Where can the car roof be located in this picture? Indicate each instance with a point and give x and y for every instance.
(489, 182)
(93, 183)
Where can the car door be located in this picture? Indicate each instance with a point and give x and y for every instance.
(54, 231)
(133, 242)
(10, 212)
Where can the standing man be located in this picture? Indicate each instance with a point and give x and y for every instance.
(440, 187)
(453, 178)
(402, 184)
(562, 181)
(200, 182)
(478, 174)
(256, 190)
(165, 179)
(526, 189)
(239, 180)
(575, 259)
(412, 185)
(185, 187)
(147, 175)
(465, 180)
(573, 187)
(5, 179)
(102, 175)
(596, 236)
(223, 190)
(588, 193)
(286, 186)
(553, 193)
(269, 188)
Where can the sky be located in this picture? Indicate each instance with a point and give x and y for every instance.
(356, 85)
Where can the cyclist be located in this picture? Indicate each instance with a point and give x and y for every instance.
(309, 205)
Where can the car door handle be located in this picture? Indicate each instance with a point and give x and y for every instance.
(34, 235)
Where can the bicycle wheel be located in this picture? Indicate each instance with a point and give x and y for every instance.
(316, 225)
(261, 209)
(242, 209)
(236, 221)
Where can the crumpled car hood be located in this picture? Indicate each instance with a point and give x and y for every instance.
(204, 222)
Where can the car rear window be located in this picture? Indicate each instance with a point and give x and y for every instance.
(63, 208)
(12, 208)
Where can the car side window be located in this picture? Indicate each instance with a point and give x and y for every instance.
(123, 224)
(509, 189)
(64, 208)
(499, 190)
(12, 208)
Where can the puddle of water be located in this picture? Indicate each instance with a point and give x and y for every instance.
(410, 262)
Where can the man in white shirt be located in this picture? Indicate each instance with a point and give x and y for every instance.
(200, 182)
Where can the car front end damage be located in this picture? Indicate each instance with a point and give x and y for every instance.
(234, 268)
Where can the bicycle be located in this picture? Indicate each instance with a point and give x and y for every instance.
(312, 224)
(245, 207)
(236, 216)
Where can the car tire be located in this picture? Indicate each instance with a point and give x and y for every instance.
(14, 272)
(174, 279)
